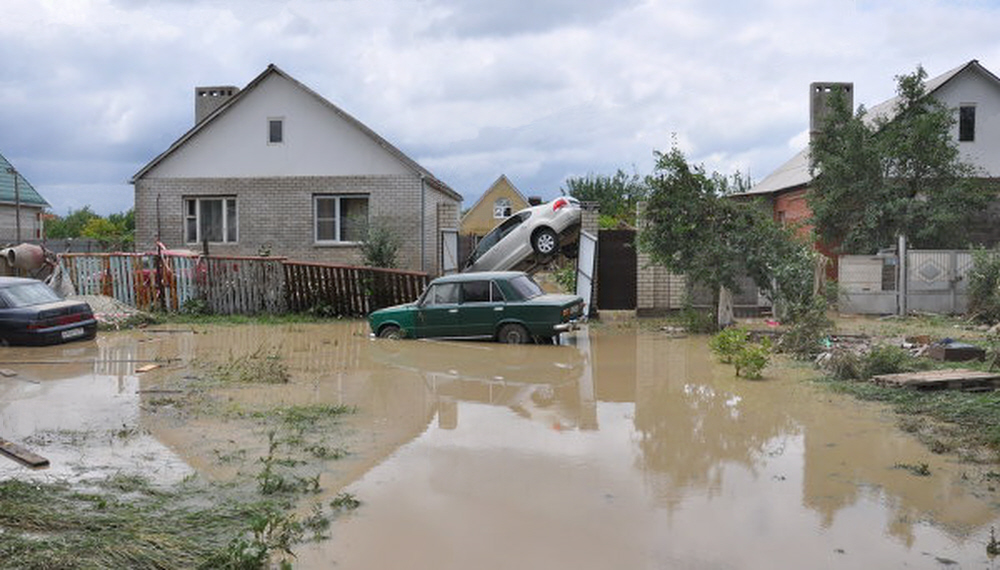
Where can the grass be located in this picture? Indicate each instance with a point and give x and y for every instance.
(52, 525)
(967, 423)
(124, 521)
(261, 366)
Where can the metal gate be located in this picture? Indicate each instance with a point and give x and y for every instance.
(934, 281)
(585, 265)
(617, 268)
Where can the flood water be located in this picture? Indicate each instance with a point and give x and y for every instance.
(617, 449)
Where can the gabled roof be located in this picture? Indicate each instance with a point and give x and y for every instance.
(795, 173)
(26, 193)
(502, 178)
(275, 70)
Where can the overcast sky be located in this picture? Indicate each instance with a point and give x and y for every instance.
(539, 90)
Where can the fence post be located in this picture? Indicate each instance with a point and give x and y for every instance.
(902, 278)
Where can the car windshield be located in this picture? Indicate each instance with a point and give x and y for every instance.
(526, 286)
(499, 232)
(28, 294)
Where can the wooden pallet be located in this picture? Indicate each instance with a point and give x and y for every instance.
(956, 379)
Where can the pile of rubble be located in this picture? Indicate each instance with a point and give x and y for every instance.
(113, 314)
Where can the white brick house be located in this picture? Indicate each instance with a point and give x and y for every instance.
(276, 167)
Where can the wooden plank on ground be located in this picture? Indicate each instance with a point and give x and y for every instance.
(953, 379)
(22, 455)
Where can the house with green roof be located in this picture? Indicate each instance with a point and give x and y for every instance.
(19, 201)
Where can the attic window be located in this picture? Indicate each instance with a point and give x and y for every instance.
(501, 208)
(275, 131)
(967, 123)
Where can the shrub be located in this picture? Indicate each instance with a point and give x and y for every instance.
(698, 320)
(565, 276)
(809, 325)
(886, 359)
(380, 246)
(728, 343)
(751, 359)
(984, 286)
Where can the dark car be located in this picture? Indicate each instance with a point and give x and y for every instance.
(507, 306)
(32, 313)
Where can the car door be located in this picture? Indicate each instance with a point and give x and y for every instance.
(478, 312)
(437, 315)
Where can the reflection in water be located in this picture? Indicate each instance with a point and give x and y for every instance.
(625, 449)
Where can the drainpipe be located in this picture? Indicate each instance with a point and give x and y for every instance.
(423, 223)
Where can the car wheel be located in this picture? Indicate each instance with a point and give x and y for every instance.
(513, 333)
(390, 332)
(545, 241)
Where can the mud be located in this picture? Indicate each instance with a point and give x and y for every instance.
(614, 450)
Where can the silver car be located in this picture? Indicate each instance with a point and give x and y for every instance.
(537, 230)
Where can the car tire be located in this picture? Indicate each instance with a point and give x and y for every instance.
(513, 333)
(391, 332)
(545, 241)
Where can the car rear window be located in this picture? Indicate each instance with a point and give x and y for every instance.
(28, 294)
(526, 286)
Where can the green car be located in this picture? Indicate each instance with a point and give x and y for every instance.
(505, 305)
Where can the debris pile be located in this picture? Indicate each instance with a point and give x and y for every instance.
(114, 314)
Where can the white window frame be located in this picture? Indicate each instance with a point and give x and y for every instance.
(501, 205)
(197, 218)
(281, 121)
(336, 217)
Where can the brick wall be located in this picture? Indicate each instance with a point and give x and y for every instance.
(277, 214)
(657, 290)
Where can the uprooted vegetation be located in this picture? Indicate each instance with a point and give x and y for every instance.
(253, 519)
(947, 421)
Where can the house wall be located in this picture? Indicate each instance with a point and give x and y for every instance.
(791, 208)
(276, 213)
(318, 141)
(974, 87)
(31, 223)
(479, 220)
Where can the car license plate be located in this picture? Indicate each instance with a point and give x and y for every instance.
(72, 333)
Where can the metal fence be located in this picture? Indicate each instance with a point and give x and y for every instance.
(932, 281)
(239, 285)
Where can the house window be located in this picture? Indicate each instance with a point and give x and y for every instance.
(275, 131)
(210, 218)
(501, 208)
(967, 123)
(340, 218)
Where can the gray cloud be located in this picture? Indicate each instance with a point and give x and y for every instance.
(537, 90)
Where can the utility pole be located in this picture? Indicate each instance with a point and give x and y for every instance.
(17, 205)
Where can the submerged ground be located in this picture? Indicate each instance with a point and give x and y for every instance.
(622, 448)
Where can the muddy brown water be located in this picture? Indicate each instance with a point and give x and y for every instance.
(616, 449)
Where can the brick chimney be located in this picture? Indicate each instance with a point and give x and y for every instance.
(208, 99)
(819, 106)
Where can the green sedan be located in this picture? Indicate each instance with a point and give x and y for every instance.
(504, 305)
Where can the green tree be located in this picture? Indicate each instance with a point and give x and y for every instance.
(70, 226)
(691, 227)
(898, 174)
(617, 195)
(116, 231)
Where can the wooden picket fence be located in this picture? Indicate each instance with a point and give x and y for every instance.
(348, 290)
(239, 285)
